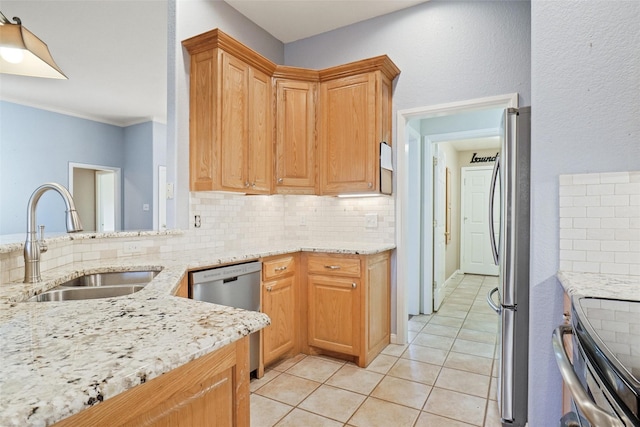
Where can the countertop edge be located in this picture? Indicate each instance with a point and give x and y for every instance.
(599, 285)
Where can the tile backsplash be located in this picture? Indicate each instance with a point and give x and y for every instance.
(232, 222)
(600, 223)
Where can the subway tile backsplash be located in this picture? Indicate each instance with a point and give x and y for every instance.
(232, 222)
(600, 223)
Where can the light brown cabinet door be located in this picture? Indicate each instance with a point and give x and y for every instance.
(202, 102)
(234, 124)
(348, 136)
(295, 136)
(260, 141)
(334, 314)
(278, 299)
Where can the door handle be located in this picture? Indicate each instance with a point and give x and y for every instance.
(492, 304)
(492, 193)
(591, 411)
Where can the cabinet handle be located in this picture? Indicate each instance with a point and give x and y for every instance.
(370, 185)
(254, 184)
(280, 180)
(268, 288)
(332, 267)
(280, 268)
(246, 184)
(353, 285)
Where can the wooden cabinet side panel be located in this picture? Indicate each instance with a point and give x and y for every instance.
(202, 105)
(295, 136)
(385, 110)
(183, 289)
(260, 140)
(348, 135)
(211, 390)
(377, 302)
(234, 124)
(334, 310)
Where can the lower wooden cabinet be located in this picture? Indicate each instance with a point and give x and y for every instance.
(348, 303)
(210, 391)
(280, 302)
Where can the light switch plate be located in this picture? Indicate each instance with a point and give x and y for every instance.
(371, 220)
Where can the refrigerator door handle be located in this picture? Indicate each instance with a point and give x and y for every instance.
(496, 308)
(591, 411)
(492, 193)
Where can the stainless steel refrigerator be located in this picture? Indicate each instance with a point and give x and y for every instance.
(510, 244)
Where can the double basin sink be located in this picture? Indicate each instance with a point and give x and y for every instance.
(98, 285)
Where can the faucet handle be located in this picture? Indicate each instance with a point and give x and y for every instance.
(41, 243)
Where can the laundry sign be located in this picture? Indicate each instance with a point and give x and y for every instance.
(482, 159)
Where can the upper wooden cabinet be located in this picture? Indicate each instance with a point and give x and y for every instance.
(355, 117)
(295, 163)
(257, 127)
(231, 109)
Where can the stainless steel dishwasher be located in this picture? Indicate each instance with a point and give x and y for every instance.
(235, 285)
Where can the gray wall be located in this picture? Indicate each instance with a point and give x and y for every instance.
(446, 51)
(36, 146)
(192, 18)
(138, 174)
(585, 82)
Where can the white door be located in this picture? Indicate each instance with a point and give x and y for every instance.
(439, 218)
(105, 201)
(475, 247)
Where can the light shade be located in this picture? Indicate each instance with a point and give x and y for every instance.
(36, 60)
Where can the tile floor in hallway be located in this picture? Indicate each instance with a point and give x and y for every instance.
(445, 376)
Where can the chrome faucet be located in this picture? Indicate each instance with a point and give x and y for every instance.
(34, 247)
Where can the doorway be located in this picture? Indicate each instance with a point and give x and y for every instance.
(96, 192)
(405, 243)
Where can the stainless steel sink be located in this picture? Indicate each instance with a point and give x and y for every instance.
(98, 285)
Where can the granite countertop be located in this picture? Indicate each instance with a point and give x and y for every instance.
(59, 358)
(601, 285)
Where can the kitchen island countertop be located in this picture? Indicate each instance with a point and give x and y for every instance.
(62, 357)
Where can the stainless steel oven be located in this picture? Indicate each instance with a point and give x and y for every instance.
(603, 378)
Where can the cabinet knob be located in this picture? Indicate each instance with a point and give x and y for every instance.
(370, 185)
(332, 267)
(353, 285)
(268, 288)
(254, 184)
(246, 184)
(280, 268)
(280, 180)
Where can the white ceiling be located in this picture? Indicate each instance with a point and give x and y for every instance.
(475, 143)
(292, 20)
(114, 52)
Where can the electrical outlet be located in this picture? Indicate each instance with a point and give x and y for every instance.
(132, 247)
(198, 222)
(145, 207)
(371, 220)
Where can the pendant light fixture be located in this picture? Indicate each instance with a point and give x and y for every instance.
(21, 52)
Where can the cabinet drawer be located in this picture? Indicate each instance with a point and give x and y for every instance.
(333, 265)
(279, 267)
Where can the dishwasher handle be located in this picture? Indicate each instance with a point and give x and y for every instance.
(591, 411)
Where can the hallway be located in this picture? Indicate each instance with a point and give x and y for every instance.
(445, 376)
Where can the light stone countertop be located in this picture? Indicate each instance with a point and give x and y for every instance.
(59, 358)
(601, 285)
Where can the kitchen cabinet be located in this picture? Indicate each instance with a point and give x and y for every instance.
(354, 118)
(348, 303)
(279, 302)
(295, 164)
(230, 126)
(212, 390)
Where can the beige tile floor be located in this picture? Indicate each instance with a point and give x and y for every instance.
(444, 377)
